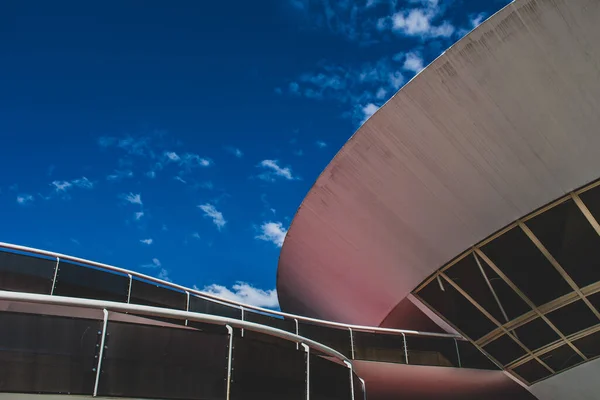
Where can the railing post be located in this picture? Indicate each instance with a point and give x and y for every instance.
(55, 274)
(349, 365)
(351, 343)
(187, 305)
(405, 348)
(307, 349)
(129, 290)
(229, 359)
(457, 353)
(297, 333)
(101, 352)
(242, 308)
(364, 388)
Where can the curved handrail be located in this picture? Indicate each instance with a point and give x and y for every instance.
(217, 299)
(169, 313)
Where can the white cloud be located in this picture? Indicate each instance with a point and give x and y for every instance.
(211, 212)
(157, 265)
(190, 160)
(477, 19)
(196, 235)
(132, 198)
(118, 175)
(138, 215)
(180, 179)
(146, 241)
(418, 22)
(172, 156)
(273, 170)
(368, 111)
(61, 186)
(413, 62)
(381, 93)
(321, 144)
(164, 275)
(151, 174)
(235, 151)
(245, 293)
(154, 264)
(83, 182)
(273, 232)
(24, 199)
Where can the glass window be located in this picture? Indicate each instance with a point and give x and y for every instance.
(77, 281)
(467, 274)
(424, 350)
(338, 339)
(205, 306)
(561, 358)
(523, 263)
(23, 273)
(149, 294)
(536, 334)
(504, 349)
(455, 308)
(589, 345)
(532, 371)
(573, 318)
(471, 357)
(571, 240)
(47, 354)
(279, 323)
(265, 371)
(156, 362)
(329, 380)
(378, 347)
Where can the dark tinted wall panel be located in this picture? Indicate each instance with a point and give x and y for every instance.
(536, 334)
(149, 294)
(573, 317)
(77, 281)
(572, 241)
(504, 349)
(589, 345)
(169, 363)
(471, 357)
(25, 273)
(532, 371)
(263, 371)
(279, 323)
(338, 339)
(455, 308)
(379, 347)
(47, 354)
(329, 380)
(204, 306)
(561, 358)
(432, 351)
(523, 263)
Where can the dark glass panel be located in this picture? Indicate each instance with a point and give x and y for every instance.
(536, 334)
(456, 309)
(589, 345)
(573, 318)
(561, 358)
(516, 255)
(378, 347)
(595, 300)
(22, 273)
(264, 371)
(338, 339)
(359, 391)
(504, 349)
(156, 362)
(279, 323)
(571, 240)
(204, 306)
(329, 380)
(591, 199)
(471, 357)
(149, 294)
(424, 350)
(467, 274)
(77, 281)
(532, 371)
(47, 354)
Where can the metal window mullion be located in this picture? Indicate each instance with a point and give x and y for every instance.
(307, 350)
(101, 352)
(229, 359)
(55, 275)
(349, 365)
(351, 343)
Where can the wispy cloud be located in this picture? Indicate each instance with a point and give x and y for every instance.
(138, 215)
(118, 175)
(146, 241)
(157, 265)
(83, 183)
(154, 264)
(321, 144)
(235, 151)
(190, 160)
(273, 232)
(413, 62)
(172, 156)
(272, 170)
(24, 199)
(61, 186)
(180, 179)
(367, 111)
(196, 235)
(132, 198)
(422, 21)
(245, 293)
(211, 212)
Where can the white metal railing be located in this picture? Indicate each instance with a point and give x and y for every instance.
(229, 323)
(220, 300)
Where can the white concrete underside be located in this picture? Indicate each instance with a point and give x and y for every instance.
(579, 383)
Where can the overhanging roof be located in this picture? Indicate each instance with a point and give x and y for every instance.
(502, 123)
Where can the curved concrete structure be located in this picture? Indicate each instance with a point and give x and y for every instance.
(502, 123)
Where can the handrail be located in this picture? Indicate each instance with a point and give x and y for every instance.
(212, 297)
(169, 313)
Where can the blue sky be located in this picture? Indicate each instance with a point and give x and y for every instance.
(179, 138)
